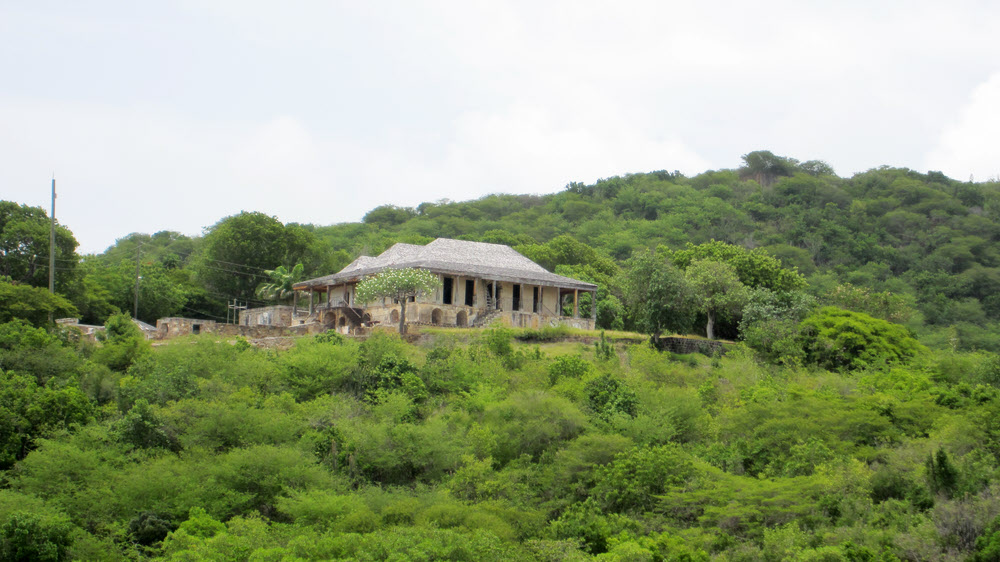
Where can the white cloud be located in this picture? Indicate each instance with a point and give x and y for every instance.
(969, 146)
(175, 116)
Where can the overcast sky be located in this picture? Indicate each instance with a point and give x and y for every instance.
(171, 115)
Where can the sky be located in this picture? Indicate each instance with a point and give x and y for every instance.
(172, 115)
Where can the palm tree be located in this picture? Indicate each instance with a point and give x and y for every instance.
(282, 280)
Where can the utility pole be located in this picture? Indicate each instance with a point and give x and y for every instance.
(236, 307)
(52, 242)
(135, 311)
(52, 245)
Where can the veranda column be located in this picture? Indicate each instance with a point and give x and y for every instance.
(295, 303)
(593, 307)
(576, 303)
(311, 310)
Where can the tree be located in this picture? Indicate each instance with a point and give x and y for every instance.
(24, 247)
(764, 167)
(389, 215)
(281, 283)
(754, 268)
(657, 295)
(160, 295)
(238, 251)
(123, 343)
(717, 290)
(30, 537)
(33, 304)
(400, 285)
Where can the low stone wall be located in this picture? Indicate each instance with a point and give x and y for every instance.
(686, 346)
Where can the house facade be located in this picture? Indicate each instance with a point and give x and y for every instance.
(480, 283)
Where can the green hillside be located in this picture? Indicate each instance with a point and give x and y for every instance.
(853, 417)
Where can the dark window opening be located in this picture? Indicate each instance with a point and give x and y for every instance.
(470, 292)
(517, 298)
(449, 285)
(196, 328)
(534, 302)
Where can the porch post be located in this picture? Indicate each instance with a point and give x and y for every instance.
(295, 303)
(576, 303)
(311, 309)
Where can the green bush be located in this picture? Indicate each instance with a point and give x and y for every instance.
(839, 339)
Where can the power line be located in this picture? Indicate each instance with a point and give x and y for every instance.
(189, 309)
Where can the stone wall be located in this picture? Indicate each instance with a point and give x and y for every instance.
(173, 327)
(685, 346)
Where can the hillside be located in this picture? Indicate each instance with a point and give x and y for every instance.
(853, 418)
(486, 448)
(924, 242)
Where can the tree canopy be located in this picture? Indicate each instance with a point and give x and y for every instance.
(400, 285)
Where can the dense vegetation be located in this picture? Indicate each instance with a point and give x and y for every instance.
(483, 448)
(856, 419)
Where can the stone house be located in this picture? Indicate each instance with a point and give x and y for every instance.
(480, 283)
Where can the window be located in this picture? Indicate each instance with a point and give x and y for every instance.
(535, 304)
(470, 292)
(517, 297)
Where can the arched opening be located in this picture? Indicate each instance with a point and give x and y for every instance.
(394, 317)
(436, 317)
(462, 319)
(343, 321)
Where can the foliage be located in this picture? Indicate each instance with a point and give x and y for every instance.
(123, 343)
(658, 296)
(238, 250)
(608, 397)
(27, 537)
(25, 235)
(770, 324)
(279, 287)
(29, 411)
(476, 447)
(839, 339)
(885, 305)
(141, 428)
(753, 268)
(717, 291)
(399, 285)
(33, 304)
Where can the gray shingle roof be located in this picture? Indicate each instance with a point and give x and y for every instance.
(457, 257)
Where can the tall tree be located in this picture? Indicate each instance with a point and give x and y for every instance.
(717, 291)
(24, 247)
(238, 251)
(399, 285)
(657, 295)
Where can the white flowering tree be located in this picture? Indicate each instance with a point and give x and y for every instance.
(399, 285)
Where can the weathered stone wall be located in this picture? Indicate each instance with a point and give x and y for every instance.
(174, 327)
(688, 345)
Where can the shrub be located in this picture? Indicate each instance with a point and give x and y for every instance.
(839, 339)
